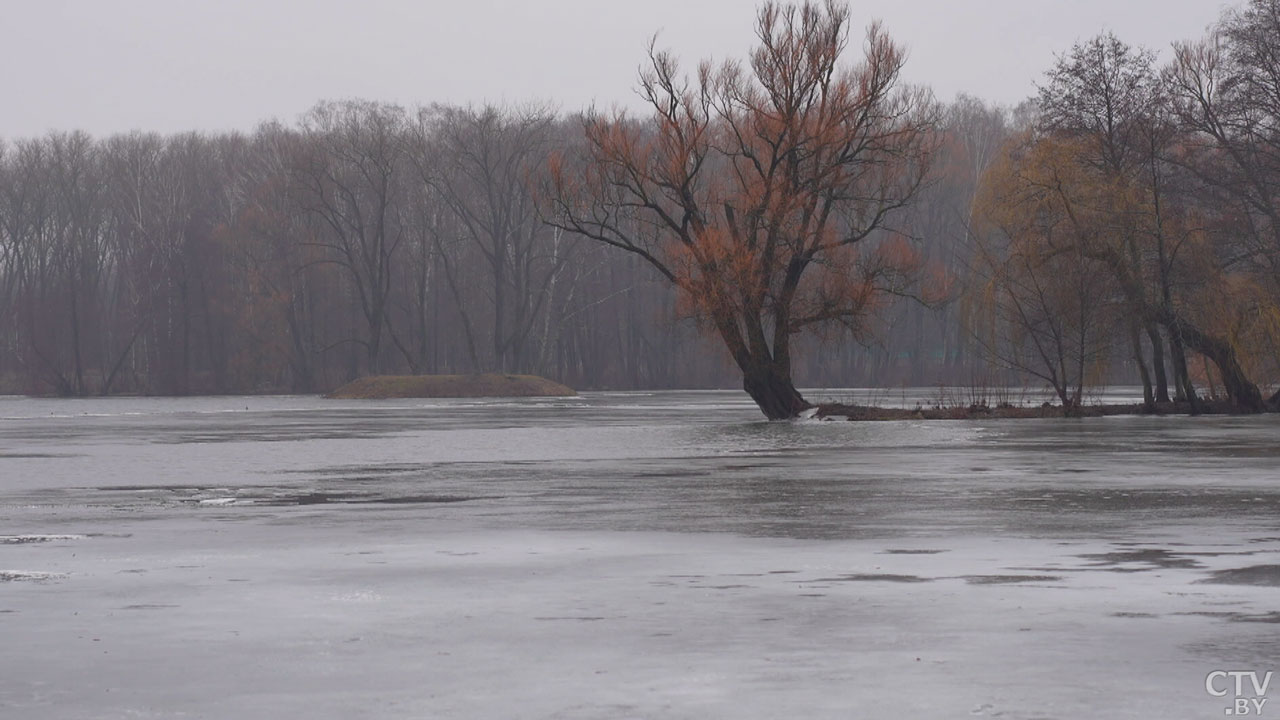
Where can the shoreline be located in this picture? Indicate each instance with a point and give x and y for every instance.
(870, 413)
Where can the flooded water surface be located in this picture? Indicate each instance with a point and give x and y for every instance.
(628, 555)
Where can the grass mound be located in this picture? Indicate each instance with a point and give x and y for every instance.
(377, 387)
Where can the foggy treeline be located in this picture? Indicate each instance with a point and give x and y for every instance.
(363, 239)
(367, 238)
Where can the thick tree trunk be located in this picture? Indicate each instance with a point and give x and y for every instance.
(772, 391)
(1157, 362)
(1244, 394)
(1148, 397)
(1183, 387)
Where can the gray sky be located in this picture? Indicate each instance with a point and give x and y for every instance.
(169, 65)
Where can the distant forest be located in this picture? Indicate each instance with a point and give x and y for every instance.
(1123, 226)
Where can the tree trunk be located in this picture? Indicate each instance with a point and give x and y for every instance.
(1157, 362)
(1148, 397)
(1208, 378)
(772, 391)
(1184, 390)
(1243, 393)
(75, 342)
(1240, 389)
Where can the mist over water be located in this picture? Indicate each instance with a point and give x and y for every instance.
(625, 555)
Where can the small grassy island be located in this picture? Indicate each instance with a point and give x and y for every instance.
(379, 387)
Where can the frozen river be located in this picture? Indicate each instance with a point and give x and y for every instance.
(660, 555)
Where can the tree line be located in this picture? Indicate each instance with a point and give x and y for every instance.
(364, 239)
(1137, 214)
(802, 217)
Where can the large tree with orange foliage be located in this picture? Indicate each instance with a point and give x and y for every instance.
(763, 190)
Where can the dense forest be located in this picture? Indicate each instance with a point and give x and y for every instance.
(1121, 226)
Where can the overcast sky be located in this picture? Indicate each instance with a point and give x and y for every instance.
(169, 65)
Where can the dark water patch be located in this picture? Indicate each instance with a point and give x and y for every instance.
(149, 488)
(584, 618)
(874, 577)
(148, 607)
(1008, 579)
(1155, 558)
(343, 470)
(1198, 500)
(1268, 575)
(37, 456)
(424, 499)
(671, 474)
(911, 552)
(1241, 617)
(310, 498)
(280, 498)
(1222, 614)
(1143, 615)
(1270, 617)
(1245, 647)
(237, 434)
(1092, 568)
(1219, 553)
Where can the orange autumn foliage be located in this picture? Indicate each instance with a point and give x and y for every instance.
(763, 190)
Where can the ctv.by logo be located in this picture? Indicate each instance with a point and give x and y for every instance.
(1219, 684)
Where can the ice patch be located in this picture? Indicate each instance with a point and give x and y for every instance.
(218, 501)
(29, 575)
(25, 539)
(358, 596)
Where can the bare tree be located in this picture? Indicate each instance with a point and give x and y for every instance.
(1107, 95)
(754, 189)
(1047, 307)
(1226, 91)
(348, 172)
(485, 163)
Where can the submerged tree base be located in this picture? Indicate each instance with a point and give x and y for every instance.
(378, 387)
(837, 411)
